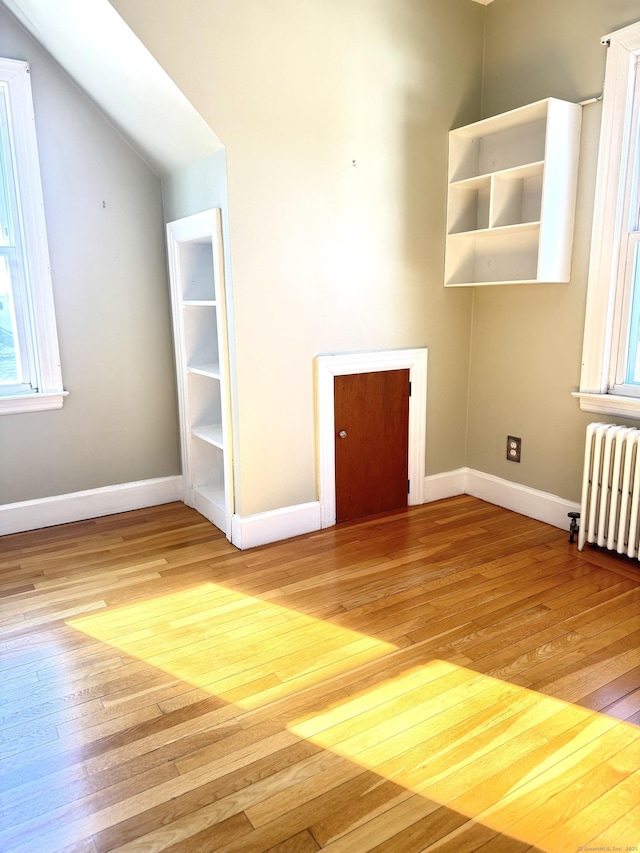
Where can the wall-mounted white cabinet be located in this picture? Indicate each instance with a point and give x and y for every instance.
(511, 199)
(196, 274)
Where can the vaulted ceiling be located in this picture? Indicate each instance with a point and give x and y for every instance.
(107, 60)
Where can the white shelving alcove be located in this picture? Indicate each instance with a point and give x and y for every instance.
(511, 199)
(196, 275)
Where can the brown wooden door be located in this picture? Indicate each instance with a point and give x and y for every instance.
(372, 442)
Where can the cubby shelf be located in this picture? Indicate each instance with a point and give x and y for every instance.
(196, 272)
(511, 199)
(210, 370)
(211, 433)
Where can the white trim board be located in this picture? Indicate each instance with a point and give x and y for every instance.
(446, 485)
(276, 525)
(92, 503)
(273, 526)
(611, 240)
(533, 503)
(331, 365)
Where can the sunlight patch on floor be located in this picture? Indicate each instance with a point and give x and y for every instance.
(538, 769)
(242, 649)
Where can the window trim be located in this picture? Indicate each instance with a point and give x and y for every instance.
(50, 393)
(614, 170)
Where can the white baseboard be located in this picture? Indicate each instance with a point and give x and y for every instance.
(264, 527)
(274, 525)
(93, 503)
(533, 503)
(446, 485)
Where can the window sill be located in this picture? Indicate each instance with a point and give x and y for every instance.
(609, 404)
(31, 402)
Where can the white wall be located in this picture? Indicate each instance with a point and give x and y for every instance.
(103, 209)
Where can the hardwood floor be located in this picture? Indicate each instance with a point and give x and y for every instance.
(452, 677)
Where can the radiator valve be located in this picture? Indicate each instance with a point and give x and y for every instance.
(574, 527)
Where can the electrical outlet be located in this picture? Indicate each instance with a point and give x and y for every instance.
(514, 448)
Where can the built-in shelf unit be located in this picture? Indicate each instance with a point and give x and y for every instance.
(511, 199)
(198, 301)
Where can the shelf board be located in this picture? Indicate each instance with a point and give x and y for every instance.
(526, 170)
(211, 433)
(210, 370)
(483, 283)
(498, 230)
(210, 501)
(199, 303)
(475, 183)
(213, 494)
(497, 124)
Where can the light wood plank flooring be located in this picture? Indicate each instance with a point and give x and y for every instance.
(452, 677)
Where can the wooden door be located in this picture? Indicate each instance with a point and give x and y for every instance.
(372, 442)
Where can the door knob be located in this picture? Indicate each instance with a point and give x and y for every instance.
(342, 433)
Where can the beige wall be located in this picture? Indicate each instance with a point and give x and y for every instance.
(328, 256)
(103, 209)
(325, 255)
(198, 187)
(527, 340)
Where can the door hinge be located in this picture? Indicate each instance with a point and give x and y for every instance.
(409, 389)
(408, 486)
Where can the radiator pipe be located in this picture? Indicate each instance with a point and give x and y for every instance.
(574, 527)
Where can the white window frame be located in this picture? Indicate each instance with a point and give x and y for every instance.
(48, 392)
(609, 263)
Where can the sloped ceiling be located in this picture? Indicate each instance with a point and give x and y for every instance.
(111, 65)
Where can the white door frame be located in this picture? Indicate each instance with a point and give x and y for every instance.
(328, 366)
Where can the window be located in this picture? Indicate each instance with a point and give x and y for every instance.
(30, 376)
(610, 379)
